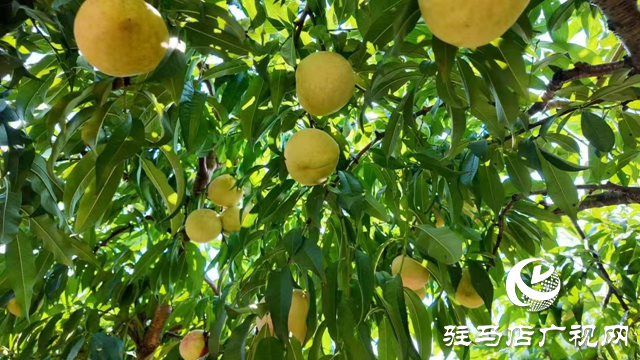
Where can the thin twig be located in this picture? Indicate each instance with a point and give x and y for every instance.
(580, 70)
(379, 136)
(501, 217)
(212, 285)
(299, 24)
(113, 235)
(424, 111)
(602, 270)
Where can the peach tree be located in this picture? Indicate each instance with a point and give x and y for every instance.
(446, 159)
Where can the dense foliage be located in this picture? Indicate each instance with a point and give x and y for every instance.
(464, 158)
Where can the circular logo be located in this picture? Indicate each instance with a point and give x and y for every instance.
(540, 293)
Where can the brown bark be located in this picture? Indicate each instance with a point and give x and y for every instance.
(612, 194)
(623, 18)
(153, 334)
(580, 71)
(206, 166)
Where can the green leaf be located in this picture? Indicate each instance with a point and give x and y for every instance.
(278, 87)
(366, 273)
(344, 9)
(388, 347)
(19, 258)
(105, 347)
(125, 142)
(204, 37)
(445, 55)
(607, 91)
(171, 72)
(294, 350)
(33, 93)
(515, 69)
(192, 121)
(94, 202)
(566, 142)
(481, 283)
(44, 340)
(402, 114)
(431, 163)
(330, 300)
(54, 239)
(83, 251)
(560, 16)
(561, 189)
(506, 102)
(597, 131)
(518, 173)
(169, 195)
(289, 52)
(559, 162)
(269, 348)
(253, 98)
(91, 129)
(63, 107)
(492, 188)
(10, 217)
(315, 350)
(216, 332)
(147, 259)
(235, 347)
(405, 22)
(374, 208)
(196, 268)
(441, 243)
(396, 309)
(278, 298)
(63, 139)
(231, 67)
(421, 321)
(75, 349)
(458, 127)
(309, 257)
(356, 338)
(179, 175)
(80, 177)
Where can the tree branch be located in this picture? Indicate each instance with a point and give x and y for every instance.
(206, 166)
(501, 217)
(361, 153)
(601, 269)
(299, 24)
(212, 285)
(153, 334)
(424, 111)
(623, 18)
(613, 194)
(113, 235)
(580, 70)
